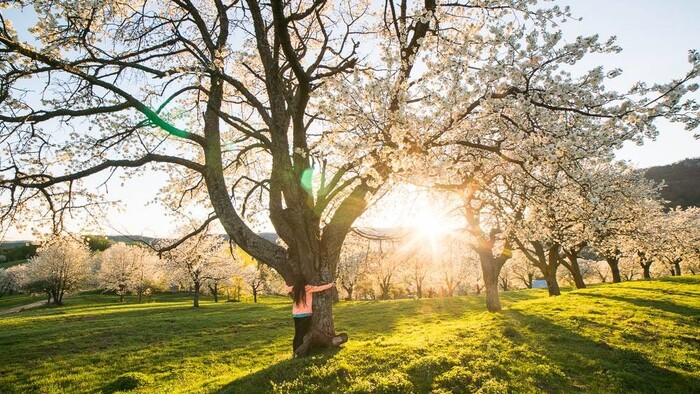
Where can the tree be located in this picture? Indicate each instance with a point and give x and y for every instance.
(353, 264)
(522, 269)
(97, 243)
(279, 102)
(62, 263)
(678, 238)
(126, 268)
(456, 263)
(9, 280)
(196, 261)
(257, 278)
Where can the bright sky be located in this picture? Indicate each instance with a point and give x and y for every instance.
(655, 36)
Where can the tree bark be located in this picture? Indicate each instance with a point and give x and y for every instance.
(196, 294)
(491, 268)
(573, 266)
(550, 275)
(645, 264)
(614, 263)
(546, 261)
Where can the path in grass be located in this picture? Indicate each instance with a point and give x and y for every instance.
(22, 308)
(631, 337)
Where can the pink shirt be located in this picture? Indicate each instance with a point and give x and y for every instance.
(306, 309)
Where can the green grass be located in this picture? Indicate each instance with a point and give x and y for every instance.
(9, 264)
(631, 337)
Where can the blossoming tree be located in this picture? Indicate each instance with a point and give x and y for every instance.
(303, 107)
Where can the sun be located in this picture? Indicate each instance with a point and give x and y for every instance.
(431, 224)
(412, 208)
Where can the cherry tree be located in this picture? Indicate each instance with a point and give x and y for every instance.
(196, 261)
(622, 215)
(678, 238)
(257, 278)
(353, 263)
(303, 108)
(61, 264)
(126, 268)
(9, 279)
(522, 269)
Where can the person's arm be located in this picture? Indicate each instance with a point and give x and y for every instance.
(288, 289)
(315, 289)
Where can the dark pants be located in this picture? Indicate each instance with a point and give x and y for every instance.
(301, 327)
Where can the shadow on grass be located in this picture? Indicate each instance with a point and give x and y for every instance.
(285, 372)
(594, 365)
(664, 305)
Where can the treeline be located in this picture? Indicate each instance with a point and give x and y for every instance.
(204, 264)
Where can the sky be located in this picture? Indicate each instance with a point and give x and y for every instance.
(655, 36)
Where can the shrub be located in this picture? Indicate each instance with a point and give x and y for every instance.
(127, 382)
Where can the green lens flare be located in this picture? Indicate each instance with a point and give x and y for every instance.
(306, 179)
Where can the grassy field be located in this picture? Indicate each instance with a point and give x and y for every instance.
(631, 337)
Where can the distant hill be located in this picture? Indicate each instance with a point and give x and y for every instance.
(682, 181)
(24, 249)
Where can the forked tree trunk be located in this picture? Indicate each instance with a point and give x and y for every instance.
(614, 263)
(349, 289)
(677, 267)
(547, 261)
(573, 267)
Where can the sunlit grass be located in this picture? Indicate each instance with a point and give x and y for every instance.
(631, 337)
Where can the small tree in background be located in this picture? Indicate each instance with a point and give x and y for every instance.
(9, 280)
(126, 268)
(257, 277)
(195, 261)
(352, 265)
(62, 264)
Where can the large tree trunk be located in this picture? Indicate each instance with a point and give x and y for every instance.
(491, 268)
(614, 263)
(550, 275)
(322, 332)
